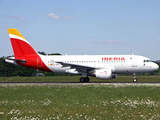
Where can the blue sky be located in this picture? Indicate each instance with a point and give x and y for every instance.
(84, 27)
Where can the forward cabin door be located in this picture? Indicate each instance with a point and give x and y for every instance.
(135, 62)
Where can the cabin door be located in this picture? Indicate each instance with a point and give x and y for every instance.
(39, 62)
(135, 62)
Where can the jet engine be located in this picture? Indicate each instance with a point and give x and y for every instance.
(71, 71)
(105, 74)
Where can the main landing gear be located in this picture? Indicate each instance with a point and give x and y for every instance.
(134, 77)
(84, 79)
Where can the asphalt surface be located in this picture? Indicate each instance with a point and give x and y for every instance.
(78, 83)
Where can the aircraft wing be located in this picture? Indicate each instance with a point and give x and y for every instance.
(78, 67)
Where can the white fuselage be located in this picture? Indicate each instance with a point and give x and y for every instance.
(117, 63)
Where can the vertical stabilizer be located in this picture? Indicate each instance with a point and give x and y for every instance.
(19, 44)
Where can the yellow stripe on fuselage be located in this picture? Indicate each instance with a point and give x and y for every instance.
(14, 31)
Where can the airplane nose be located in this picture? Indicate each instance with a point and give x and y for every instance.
(155, 66)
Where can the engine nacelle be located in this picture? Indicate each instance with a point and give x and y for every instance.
(105, 74)
(71, 71)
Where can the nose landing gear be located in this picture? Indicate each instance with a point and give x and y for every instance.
(134, 77)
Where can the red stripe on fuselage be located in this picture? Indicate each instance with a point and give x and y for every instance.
(32, 62)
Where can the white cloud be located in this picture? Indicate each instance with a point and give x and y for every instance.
(53, 16)
(67, 17)
(105, 41)
(18, 18)
(111, 41)
(94, 40)
(61, 9)
(2, 16)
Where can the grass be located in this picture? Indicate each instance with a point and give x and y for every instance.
(76, 79)
(80, 102)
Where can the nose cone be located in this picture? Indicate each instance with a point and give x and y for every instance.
(155, 66)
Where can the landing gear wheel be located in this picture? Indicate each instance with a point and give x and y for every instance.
(134, 80)
(134, 77)
(82, 79)
(87, 79)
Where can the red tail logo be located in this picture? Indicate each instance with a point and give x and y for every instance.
(24, 51)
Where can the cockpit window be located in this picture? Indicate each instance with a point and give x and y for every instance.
(147, 60)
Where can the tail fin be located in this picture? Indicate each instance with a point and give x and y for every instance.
(19, 43)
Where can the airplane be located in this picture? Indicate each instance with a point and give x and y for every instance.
(100, 66)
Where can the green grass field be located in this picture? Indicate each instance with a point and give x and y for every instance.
(76, 79)
(79, 102)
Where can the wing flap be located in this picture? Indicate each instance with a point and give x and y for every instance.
(78, 67)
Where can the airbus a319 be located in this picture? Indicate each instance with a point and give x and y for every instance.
(100, 66)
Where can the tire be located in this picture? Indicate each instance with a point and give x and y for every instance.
(82, 79)
(134, 80)
(87, 79)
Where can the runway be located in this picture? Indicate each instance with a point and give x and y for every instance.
(77, 83)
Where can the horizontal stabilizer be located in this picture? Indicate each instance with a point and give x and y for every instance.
(13, 61)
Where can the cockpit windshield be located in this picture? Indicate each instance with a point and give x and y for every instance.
(147, 61)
